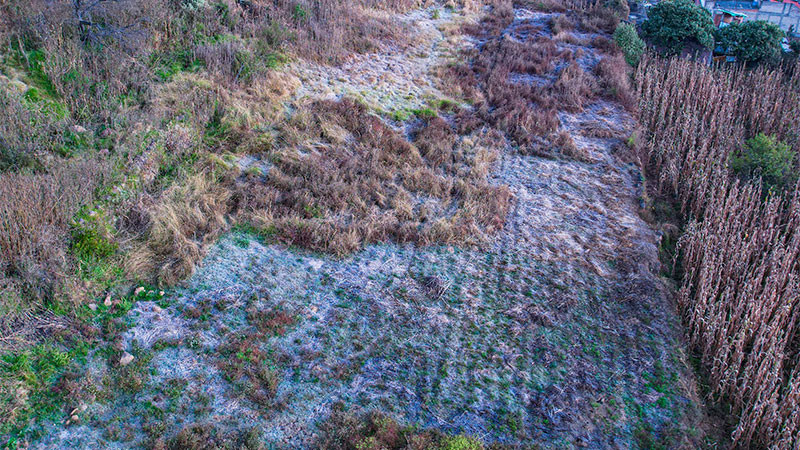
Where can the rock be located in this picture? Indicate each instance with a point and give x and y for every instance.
(157, 309)
(125, 359)
(77, 129)
(138, 291)
(160, 293)
(107, 301)
(74, 419)
(93, 306)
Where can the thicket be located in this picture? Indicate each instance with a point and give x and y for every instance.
(739, 254)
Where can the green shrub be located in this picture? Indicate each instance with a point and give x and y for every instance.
(766, 157)
(461, 443)
(752, 42)
(92, 236)
(672, 24)
(425, 113)
(632, 45)
(300, 14)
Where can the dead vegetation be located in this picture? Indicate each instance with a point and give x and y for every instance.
(157, 90)
(739, 255)
(344, 179)
(36, 214)
(349, 431)
(179, 226)
(521, 76)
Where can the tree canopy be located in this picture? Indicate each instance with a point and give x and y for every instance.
(672, 24)
(752, 42)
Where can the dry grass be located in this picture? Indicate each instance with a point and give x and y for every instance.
(615, 84)
(740, 254)
(344, 179)
(574, 88)
(179, 226)
(508, 80)
(561, 24)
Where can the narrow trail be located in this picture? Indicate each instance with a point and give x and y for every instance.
(557, 332)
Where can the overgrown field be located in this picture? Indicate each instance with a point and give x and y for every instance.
(364, 225)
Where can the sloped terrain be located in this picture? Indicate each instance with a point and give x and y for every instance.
(554, 331)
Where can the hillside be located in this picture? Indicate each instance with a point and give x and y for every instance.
(395, 226)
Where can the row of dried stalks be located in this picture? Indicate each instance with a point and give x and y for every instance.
(740, 291)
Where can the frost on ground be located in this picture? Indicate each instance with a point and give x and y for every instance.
(556, 333)
(392, 79)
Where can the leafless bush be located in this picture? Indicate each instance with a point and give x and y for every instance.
(35, 214)
(574, 87)
(29, 130)
(560, 24)
(614, 80)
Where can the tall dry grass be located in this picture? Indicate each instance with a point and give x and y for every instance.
(343, 178)
(520, 77)
(35, 215)
(740, 294)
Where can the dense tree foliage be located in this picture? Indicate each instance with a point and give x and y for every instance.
(752, 42)
(766, 157)
(672, 24)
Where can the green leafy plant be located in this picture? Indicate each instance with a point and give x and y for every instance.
(672, 24)
(752, 42)
(461, 443)
(92, 236)
(766, 157)
(628, 40)
(299, 13)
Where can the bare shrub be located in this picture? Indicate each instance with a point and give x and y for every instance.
(605, 45)
(574, 87)
(561, 23)
(35, 215)
(568, 148)
(30, 130)
(614, 80)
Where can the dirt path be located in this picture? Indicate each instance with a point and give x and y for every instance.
(557, 333)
